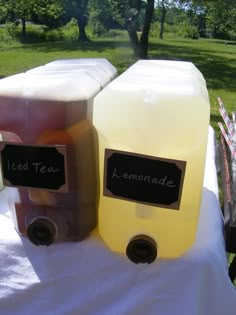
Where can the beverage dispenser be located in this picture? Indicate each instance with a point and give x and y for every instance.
(152, 123)
(48, 153)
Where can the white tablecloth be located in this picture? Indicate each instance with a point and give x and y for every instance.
(85, 278)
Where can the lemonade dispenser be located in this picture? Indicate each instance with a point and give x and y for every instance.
(152, 123)
(48, 153)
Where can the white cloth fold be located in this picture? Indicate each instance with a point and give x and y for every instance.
(85, 278)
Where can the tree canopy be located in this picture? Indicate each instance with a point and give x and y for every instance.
(209, 18)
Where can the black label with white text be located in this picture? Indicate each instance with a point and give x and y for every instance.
(146, 179)
(34, 166)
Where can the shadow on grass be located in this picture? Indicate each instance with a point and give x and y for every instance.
(219, 71)
(117, 51)
(214, 121)
(98, 46)
(224, 42)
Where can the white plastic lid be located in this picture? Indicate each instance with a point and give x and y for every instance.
(166, 68)
(96, 72)
(163, 78)
(101, 62)
(61, 86)
(12, 85)
(58, 86)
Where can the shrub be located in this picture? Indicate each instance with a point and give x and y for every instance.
(232, 34)
(188, 31)
(99, 30)
(70, 31)
(53, 35)
(155, 30)
(34, 33)
(183, 29)
(7, 35)
(11, 29)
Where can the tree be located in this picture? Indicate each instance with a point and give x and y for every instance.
(129, 15)
(163, 6)
(3, 12)
(100, 17)
(80, 13)
(146, 29)
(19, 10)
(219, 16)
(221, 19)
(49, 12)
(163, 16)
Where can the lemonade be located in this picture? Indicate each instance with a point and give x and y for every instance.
(152, 123)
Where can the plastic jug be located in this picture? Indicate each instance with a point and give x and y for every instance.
(152, 123)
(48, 153)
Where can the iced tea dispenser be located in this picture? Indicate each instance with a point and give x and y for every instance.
(152, 123)
(48, 153)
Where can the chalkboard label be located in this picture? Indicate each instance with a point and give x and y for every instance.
(42, 167)
(145, 179)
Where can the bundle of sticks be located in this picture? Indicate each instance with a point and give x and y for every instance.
(227, 152)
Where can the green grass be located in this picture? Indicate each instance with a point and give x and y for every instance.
(21, 57)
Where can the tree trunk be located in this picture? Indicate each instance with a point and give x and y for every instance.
(146, 28)
(133, 36)
(82, 33)
(23, 30)
(82, 18)
(163, 16)
(140, 46)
